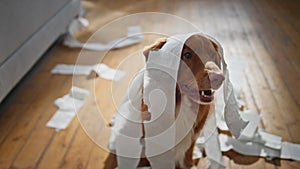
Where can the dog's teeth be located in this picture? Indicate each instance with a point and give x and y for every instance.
(202, 92)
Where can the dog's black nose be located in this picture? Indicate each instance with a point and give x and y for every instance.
(207, 92)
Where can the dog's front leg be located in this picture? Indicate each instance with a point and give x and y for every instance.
(188, 160)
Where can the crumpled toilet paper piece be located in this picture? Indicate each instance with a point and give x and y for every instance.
(251, 129)
(197, 153)
(108, 73)
(101, 69)
(134, 36)
(67, 108)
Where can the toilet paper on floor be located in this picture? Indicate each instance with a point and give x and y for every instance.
(288, 150)
(72, 69)
(134, 36)
(249, 139)
(101, 70)
(255, 142)
(68, 105)
(108, 73)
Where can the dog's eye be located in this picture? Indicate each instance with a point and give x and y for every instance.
(188, 55)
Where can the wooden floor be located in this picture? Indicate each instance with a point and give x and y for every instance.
(266, 33)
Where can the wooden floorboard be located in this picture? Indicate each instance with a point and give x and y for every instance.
(277, 44)
(265, 33)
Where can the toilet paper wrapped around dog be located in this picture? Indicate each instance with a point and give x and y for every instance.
(156, 86)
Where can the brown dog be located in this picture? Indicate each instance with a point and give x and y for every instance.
(201, 55)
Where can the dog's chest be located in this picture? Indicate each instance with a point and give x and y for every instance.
(184, 132)
(181, 149)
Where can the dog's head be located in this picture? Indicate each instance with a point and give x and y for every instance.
(201, 55)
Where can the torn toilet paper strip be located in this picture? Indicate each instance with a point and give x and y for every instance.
(101, 69)
(77, 24)
(158, 143)
(126, 132)
(251, 131)
(269, 140)
(236, 67)
(232, 117)
(211, 144)
(163, 133)
(246, 148)
(108, 73)
(228, 110)
(67, 108)
(70, 69)
(288, 150)
(78, 93)
(134, 36)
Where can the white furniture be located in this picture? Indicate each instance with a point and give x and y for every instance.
(28, 28)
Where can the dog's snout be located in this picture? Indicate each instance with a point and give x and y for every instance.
(215, 75)
(216, 80)
(212, 67)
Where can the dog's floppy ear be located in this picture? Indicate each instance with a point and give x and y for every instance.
(215, 44)
(219, 49)
(156, 46)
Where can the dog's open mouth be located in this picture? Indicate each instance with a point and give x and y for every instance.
(206, 95)
(199, 96)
